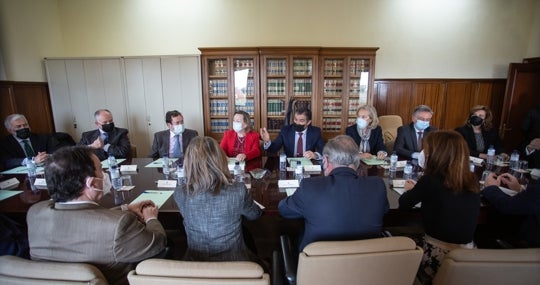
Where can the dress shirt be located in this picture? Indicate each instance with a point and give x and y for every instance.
(104, 137)
(172, 142)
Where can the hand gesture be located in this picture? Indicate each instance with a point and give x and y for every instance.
(265, 136)
(97, 144)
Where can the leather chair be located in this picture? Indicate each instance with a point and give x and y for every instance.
(388, 260)
(490, 266)
(17, 270)
(389, 125)
(162, 271)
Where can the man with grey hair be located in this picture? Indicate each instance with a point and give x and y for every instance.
(21, 144)
(409, 139)
(339, 205)
(107, 139)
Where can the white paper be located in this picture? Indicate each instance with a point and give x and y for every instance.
(288, 183)
(398, 183)
(128, 168)
(40, 183)
(290, 191)
(399, 190)
(166, 183)
(259, 204)
(126, 188)
(401, 163)
(312, 168)
(9, 184)
(476, 160)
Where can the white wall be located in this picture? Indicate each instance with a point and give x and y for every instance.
(417, 38)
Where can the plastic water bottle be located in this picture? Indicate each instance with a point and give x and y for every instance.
(180, 174)
(282, 162)
(393, 162)
(165, 164)
(238, 172)
(407, 171)
(31, 167)
(299, 172)
(514, 160)
(491, 155)
(112, 161)
(471, 166)
(115, 177)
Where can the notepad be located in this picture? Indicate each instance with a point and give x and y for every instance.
(159, 197)
(159, 163)
(303, 161)
(11, 183)
(4, 194)
(374, 161)
(23, 170)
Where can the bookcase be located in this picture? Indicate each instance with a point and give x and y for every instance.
(332, 82)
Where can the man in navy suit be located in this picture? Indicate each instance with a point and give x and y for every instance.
(107, 139)
(340, 205)
(300, 139)
(21, 143)
(409, 137)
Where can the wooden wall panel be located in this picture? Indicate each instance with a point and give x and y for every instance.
(390, 97)
(430, 93)
(457, 104)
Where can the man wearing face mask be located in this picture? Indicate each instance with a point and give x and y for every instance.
(300, 139)
(410, 137)
(339, 205)
(22, 144)
(173, 141)
(73, 227)
(479, 133)
(107, 139)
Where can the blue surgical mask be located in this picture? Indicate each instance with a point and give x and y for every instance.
(237, 126)
(421, 125)
(361, 123)
(178, 129)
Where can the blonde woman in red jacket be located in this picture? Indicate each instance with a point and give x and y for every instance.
(242, 142)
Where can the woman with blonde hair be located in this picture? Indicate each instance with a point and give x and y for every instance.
(212, 205)
(449, 193)
(367, 133)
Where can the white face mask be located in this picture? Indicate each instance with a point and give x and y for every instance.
(361, 123)
(422, 159)
(237, 127)
(107, 185)
(178, 129)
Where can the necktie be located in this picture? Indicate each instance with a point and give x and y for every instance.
(28, 149)
(177, 149)
(105, 138)
(420, 139)
(300, 146)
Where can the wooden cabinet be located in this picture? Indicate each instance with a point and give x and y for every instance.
(230, 83)
(331, 82)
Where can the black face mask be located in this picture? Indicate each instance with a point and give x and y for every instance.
(23, 133)
(108, 127)
(476, 121)
(299, 128)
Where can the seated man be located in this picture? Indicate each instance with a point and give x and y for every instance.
(532, 153)
(73, 227)
(409, 137)
(526, 203)
(21, 143)
(340, 205)
(174, 141)
(107, 139)
(300, 139)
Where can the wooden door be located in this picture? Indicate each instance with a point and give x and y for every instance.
(522, 93)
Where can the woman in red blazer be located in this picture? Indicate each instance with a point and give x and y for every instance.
(242, 142)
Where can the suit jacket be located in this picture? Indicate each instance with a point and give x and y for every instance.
(490, 138)
(251, 144)
(12, 154)
(314, 141)
(112, 240)
(525, 204)
(160, 146)
(376, 142)
(120, 146)
(341, 206)
(213, 222)
(406, 141)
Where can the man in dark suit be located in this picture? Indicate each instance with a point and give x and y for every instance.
(107, 139)
(174, 141)
(340, 205)
(409, 137)
(300, 139)
(21, 143)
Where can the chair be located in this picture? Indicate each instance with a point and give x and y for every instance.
(162, 271)
(389, 125)
(133, 151)
(489, 266)
(17, 270)
(388, 260)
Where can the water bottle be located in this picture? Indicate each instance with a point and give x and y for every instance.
(514, 160)
(299, 172)
(393, 162)
(165, 163)
(31, 167)
(483, 178)
(112, 161)
(407, 171)
(471, 167)
(115, 177)
(180, 175)
(238, 172)
(491, 155)
(282, 162)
